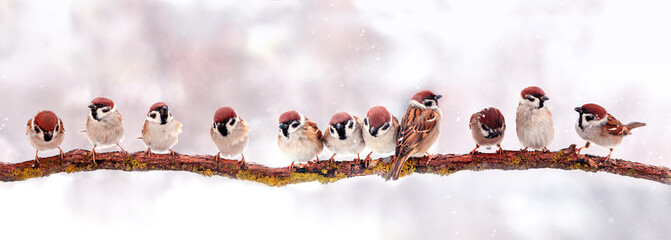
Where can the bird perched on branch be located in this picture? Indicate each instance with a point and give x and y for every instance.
(343, 135)
(596, 125)
(229, 133)
(45, 131)
(104, 126)
(299, 138)
(160, 130)
(535, 127)
(380, 129)
(419, 129)
(487, 128)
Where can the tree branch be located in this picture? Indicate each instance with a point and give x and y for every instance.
(443, 164)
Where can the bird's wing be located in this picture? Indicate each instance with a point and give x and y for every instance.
(62, 129)
(615, 127)
(415, 126)
(178, 129)
(144, 127)
(327, 133)
(28, 127)
(394, 122)
(312, 127)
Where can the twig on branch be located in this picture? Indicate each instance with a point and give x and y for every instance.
(443, 164)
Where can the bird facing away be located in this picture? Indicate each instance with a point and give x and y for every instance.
(419, 129)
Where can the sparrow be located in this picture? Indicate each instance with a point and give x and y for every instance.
(419, 129)
(104, 127)
(535, 127)
(343, 135)
(380, 129)
(45, 131)
(596, 125)
(229, 133)
(488, 128)
(299, 138)
(160, 130)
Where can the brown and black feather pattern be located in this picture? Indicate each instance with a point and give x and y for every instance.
(415, 126)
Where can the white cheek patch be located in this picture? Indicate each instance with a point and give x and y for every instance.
(293, 130)
(484, 132)
(156, 117)
(416, 104)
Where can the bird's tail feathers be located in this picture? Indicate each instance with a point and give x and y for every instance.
(395, 171)
(633, 125)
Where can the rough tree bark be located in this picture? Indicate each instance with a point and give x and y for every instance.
(442, 164)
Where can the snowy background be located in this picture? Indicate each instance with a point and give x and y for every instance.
(265, 57)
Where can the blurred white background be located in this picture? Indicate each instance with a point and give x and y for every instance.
(265, 57)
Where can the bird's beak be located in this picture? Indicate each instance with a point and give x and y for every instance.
(164, 114)
(48, 136)
(340, 128)
(496, 133)
(545, 98)
(373, 131)
(222, 129)
(92, 106)
(437, 97)
(285, 129)
(578, 109)
(163, 110)
(217, 125)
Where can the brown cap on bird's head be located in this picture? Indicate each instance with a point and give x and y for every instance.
(224, 113)
(533, 91)
(103, 102)
(592, 108)
(378, 115)
(420, 96)
(340, 117)
(157, 106)
(290, 116)
(491, 117)
(46, 120)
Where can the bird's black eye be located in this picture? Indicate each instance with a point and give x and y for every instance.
(153, 115)
(589, 118)
(294, 125)
(484, 127)
(429, 103)
(365, 121)
(350, 125)
(232, 121)
(106, 110)
(57, 128)
(531, 99)
(332, 131)
(385, 126)
(37, 129)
